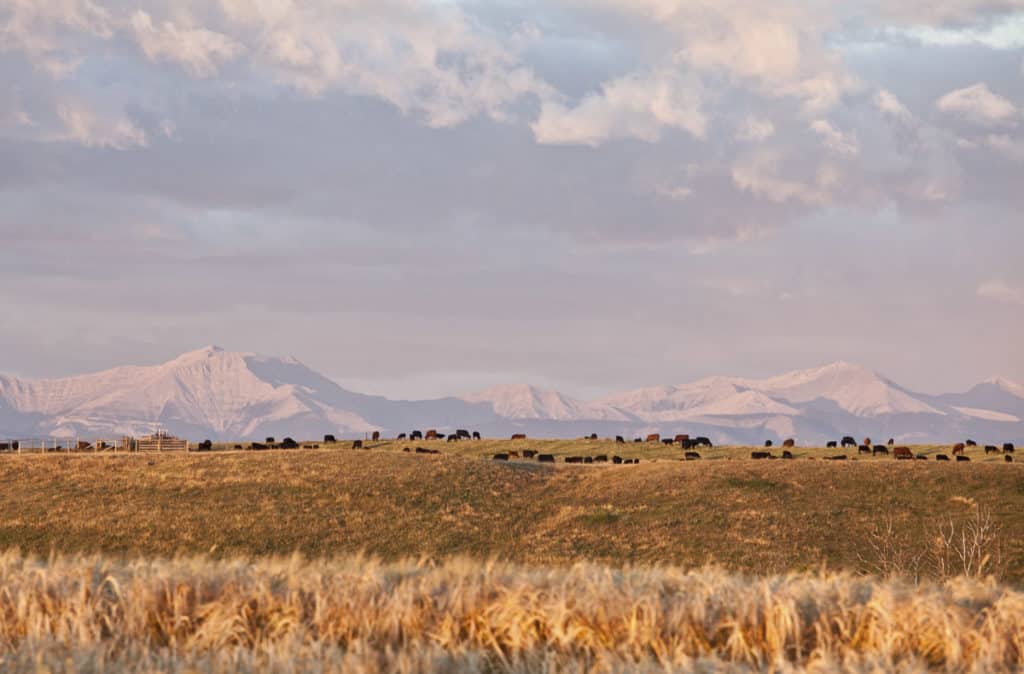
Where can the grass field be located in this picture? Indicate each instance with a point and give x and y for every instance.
(750, 516)
(97, 614)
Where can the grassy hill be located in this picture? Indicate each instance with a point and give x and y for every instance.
(760, 516)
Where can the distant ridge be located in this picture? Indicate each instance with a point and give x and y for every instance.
(218, 394)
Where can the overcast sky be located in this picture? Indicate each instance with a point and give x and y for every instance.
(423, 198)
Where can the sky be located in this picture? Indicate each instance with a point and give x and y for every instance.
(422, 198)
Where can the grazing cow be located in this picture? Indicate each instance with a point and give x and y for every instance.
(289, 443)
(991, 449)
(4, 446)
(653, 437)
(519, 436)
(376, 436)
(205, 446)
(616, 459)
(546, 458)
(431, 435)
(592, 436)
(921, 457)
(681, 438)
(256, 446)
(513, 455)
(863, 449)
(702, 441)
(831, 444)
(529, 453)
(331, 438)
(1007, 448)
(902, 453)
(1008, 459)
(941, 457)
(691, 456)
(462, 434)
(760, 455)
(768, 443)
(601, 458)
(588, 459)
(786, 454)
(406, 449)
(238, 446)
(879, 449)
(789, 442)
(270, 440)
(574, 459)
(401, 436)
(848, 441)
(440, 436)
(500, 457)
(453, 438)
(892, 441)
(668, 441)
(971, 443)
(958, 448)
(961, 457)
(619, 440)
(476, 435)
(416, 435)
(840, 457)
(357, 444)
(867, 441)
(638, 439)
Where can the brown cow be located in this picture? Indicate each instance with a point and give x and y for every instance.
(902, 453)
(682, 438)
(519, 436)
(513, 455)
(867, 441)
(790, 442)
(431, 435)
(654, 437)
(958, 448)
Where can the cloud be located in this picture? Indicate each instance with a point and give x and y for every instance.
(762, 174)
(636, 106)
(47, 31)
(1002, 292)
(836, 141)
(887, 103)
(81, 125)
(197, 50)
(979, 105)
(755, 129)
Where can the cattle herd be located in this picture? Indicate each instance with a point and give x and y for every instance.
(686, 443)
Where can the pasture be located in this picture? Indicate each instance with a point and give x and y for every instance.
(748, 516)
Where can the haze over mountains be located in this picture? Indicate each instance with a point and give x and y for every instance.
(217, 394)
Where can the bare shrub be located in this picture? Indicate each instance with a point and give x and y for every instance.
(969, 548)
(890, 552)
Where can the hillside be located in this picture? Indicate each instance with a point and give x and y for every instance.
(217, 394)
(756, 516)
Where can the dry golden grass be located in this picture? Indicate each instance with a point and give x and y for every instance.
(752, 516)
(356, 614)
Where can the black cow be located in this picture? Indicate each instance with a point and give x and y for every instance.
(376, 436)
(786, 454)
(840, 457)
(204, 446)
(423, 450)
(462, 434)
(941, 457)
(691, 456)
(529, 453)
(616, 459)
(638, 440)
(546, 458)
(619, 440)
(592, 436)
(406, 449)
(601, 458)
(574, 459)
(476, 435)
(289, 443)
(879, 449)
(270, 440)
(668, 441)
(921, 457)
(500, 457)
(991, 449)
(238, 446)
(331, 438)
(588, 459)
(863, 449)
(760, 455)
(702, 442)
(970, 443)
(848, 441)
(961, 457)
(453, 438)
(1008, 459)
(357, 444)
(416, 435)
(1008, 448)
(257, 446)
(831, 444)
(767, 443)
(401, 436)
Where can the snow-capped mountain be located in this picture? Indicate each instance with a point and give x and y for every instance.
(217, 394)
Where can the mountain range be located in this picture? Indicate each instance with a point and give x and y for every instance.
(223, 395)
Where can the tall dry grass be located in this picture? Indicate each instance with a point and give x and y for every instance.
(355, 614)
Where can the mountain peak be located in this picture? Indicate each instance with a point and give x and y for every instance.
(1007, 385)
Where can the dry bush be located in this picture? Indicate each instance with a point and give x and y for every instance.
(92, 614)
